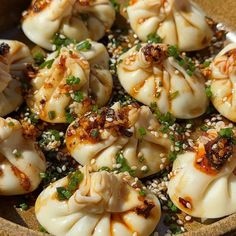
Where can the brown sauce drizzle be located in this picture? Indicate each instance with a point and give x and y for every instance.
(23, 178)
(145, 210)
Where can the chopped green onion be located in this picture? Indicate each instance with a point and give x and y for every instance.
(84, 46)
(51, 115)
(47, 64)
(154, 38)
(72, 80)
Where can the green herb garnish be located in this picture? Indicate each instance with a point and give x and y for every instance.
(120, 159)
(38, 58)
(47, 64)
(24, 206)
(142, 131)
(51, 115)
(226, 133)
(154, 38)
(63, 193)
(78, 96)
(84, 46)
(72, 80)
(116, 5)
(94, 133)
(60, 40)
(208, 91)
(174, 95)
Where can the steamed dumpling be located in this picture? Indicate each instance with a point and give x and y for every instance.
(21, 161)
(99, 204)
(223, 77)
(204, 182)
(75, 19)
(177, 22)
(124, 138)
(14, 57)
(149, 76)
(71, 80)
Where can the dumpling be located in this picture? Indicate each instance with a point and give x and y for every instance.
(97, 204)
(76, 19)
(204, 182)
(71, 80)
(14, 57)
(150, 76)
(21, 161)
(223, 87)
(177, 22)
(121, 138)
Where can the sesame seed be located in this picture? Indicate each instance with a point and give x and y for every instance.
(179, 222)
(188, 218)
(188, 205)
(144, 168)
(93, 161)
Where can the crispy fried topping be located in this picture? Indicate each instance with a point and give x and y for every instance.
(4, 49)
(154, 53)
(145, 209)
(90, 126)
(218, 151)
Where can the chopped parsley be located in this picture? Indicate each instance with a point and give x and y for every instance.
(84, 46)
(154, 38)
(72, 80)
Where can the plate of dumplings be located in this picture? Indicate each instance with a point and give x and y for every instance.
(117, 118)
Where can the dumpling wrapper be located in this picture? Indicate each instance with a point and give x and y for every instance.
(51, 94)
(14, 57)
(131, 130)
(77, 20)
(149, 76)
(223, 82)
(21, 161)
(200, 188)
(177, 22)
(104, 204)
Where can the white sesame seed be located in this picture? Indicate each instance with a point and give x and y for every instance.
(14, 151)
(140, 154)
(188, 218)
(58, 169)
(93, 161)
(63, 167)
(188, 205)
(118, 166)
(144, 168)
(179, 222)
